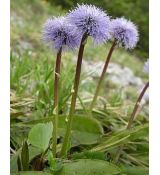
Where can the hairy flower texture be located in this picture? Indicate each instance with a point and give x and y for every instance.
(125, 32)
(92, 21)
(146, 66)
(58, 32)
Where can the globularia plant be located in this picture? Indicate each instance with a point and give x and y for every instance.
(60, 35)
(68, 32)
(124, 33)
(91, 136)
(90, 21)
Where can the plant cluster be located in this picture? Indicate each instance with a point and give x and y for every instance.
(139, 15)
(62, 34)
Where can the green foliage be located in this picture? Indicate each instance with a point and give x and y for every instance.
(89, 155)
(135, 170)
(81, 167)
(85, 130)
(13, 164)
(33, 77)
(54, 165)
(63, 3)
(40, 135)
(25, 156)
(34, 152)
(121, 137)
(89, 167)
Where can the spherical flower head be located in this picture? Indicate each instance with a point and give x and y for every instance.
(146, 67)
(92, 21)
(125, 32)
(58, 32)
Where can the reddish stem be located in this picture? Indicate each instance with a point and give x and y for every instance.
(56, 97)
(102, 75)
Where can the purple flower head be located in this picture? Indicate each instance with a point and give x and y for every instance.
(92, 21)
(125, 32)
(146, 66)
(58, 32)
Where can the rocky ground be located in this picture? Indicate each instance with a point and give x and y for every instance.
(121, 76)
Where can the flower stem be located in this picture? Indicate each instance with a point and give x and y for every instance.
(74, 96)
(132, 117)
(56, 96)
(102, 75)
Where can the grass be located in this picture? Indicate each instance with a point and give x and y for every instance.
(32, 66)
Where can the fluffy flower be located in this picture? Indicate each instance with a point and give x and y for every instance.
(58, 32)
(92, 21)
(125, 32)
(146, 66)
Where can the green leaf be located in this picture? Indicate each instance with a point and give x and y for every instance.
(135, 170)
(32, 173)
(13, 163)
(25, 156)
(85, 130)
(33, 152)
(40, 135)
(89, 167)
(121, 137)
(89, 155)
(54, 164)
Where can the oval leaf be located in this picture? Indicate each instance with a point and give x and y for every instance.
(89, 167)
(40, 135)
(85, 130)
